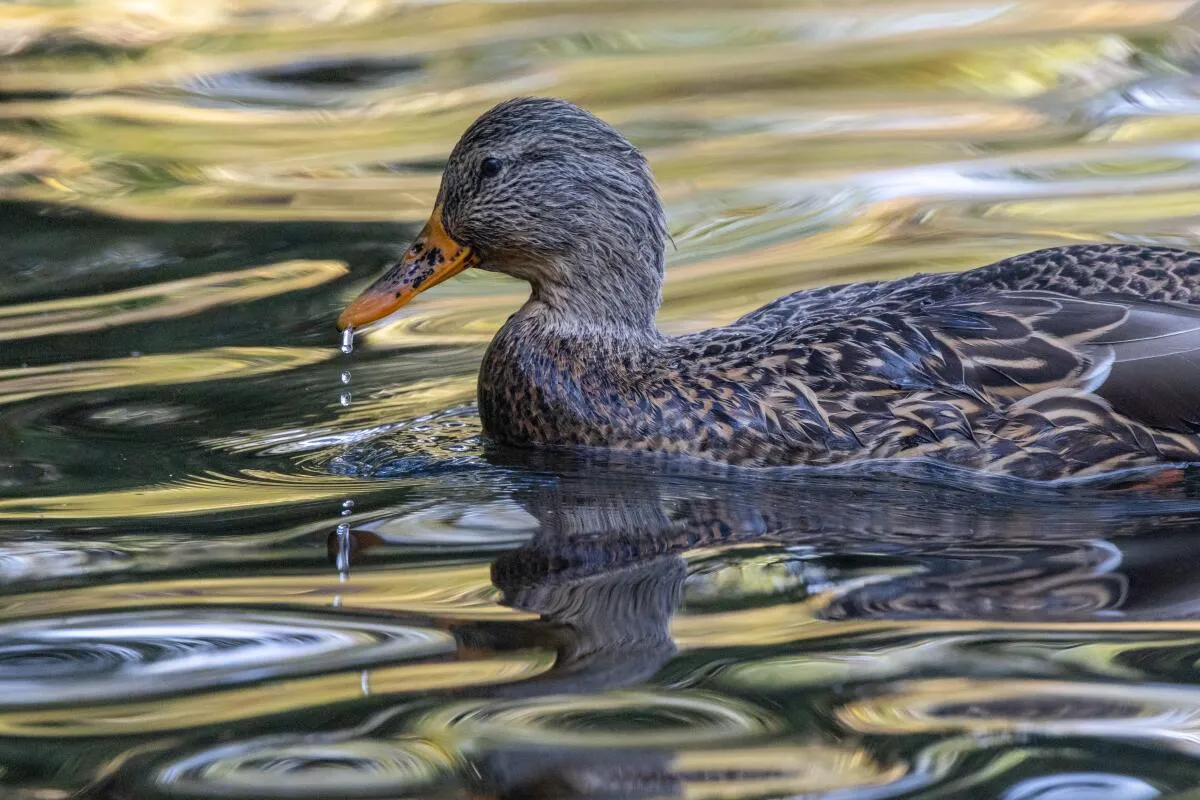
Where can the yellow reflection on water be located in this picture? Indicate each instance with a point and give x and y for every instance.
(258, 160)
(27, 383)
(779, 770)
(447, 591)
(789, 623)
(215, 707)
(166, 300)
(193, 494)
(1047, 707)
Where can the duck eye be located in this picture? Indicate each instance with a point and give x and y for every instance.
(490, 167)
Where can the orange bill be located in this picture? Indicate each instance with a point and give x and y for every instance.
(433, 258)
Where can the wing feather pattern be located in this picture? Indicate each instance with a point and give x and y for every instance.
(1141, 357)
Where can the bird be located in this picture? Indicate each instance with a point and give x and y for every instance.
(1066, 362)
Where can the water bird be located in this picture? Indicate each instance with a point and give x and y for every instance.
(1064, 362)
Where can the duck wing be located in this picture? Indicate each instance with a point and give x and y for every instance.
(1142, 357)
(802, 307)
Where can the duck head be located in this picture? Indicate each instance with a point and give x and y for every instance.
(544, 191)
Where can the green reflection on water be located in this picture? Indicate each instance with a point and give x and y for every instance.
(190, 190)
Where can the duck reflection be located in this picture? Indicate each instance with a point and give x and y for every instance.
(618, 552)
(614, 544)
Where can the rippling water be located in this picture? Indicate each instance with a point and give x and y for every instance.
(237, 563)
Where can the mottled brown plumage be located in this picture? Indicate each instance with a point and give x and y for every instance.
(1064, 362)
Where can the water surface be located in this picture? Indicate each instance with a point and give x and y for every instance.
(189, 191)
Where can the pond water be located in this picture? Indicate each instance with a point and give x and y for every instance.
(238, 563)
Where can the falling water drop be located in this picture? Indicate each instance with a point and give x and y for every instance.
(343, 548)
(343, 529)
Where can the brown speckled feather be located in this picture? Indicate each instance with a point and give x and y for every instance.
(1031, 367)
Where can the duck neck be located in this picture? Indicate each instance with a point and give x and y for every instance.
(615, 300)
(568, 349)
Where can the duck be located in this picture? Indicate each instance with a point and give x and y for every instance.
(1065, 362)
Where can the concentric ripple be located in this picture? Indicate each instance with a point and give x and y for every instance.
(622, 719)
(295, 767)
(104, 658)
(1166, 714)
(1093, 785)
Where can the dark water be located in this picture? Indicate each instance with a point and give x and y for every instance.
(189, 191)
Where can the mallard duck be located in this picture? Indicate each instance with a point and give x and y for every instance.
(1063, 362)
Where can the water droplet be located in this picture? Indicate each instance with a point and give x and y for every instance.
(343, 549)
(348, 340)
(344, 398)
(347, 508)
(346, 377)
